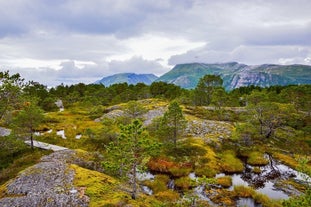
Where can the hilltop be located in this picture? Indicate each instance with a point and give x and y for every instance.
(130, 78)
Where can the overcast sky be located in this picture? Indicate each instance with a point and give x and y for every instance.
(71, 41)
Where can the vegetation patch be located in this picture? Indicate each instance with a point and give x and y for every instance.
(247, 192)
(161, 165)
(159, 184)
(222, 197)
(183, 183)
(286, 159)
(230, 163)
(28, 158)
(225, 181)
(257, 159)
(104, 190)
(167, 196)
(206, 171)
(257, 170)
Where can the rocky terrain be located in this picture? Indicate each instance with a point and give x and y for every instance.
(49, 183)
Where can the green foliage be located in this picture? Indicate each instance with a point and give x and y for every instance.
(12, 161)
(207, 85)
(27, 120)
(165, 90)
(10, 92)
(269, 116)
(134, 109)
(130, 152)
(10, 149)
(173, 123)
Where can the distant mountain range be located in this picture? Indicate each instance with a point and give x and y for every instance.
(234, 75)
(130, 78)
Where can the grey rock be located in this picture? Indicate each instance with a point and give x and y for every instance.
(4, 132)
(48, 183)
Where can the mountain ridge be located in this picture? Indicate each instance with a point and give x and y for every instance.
(237, 75)
(130, 78)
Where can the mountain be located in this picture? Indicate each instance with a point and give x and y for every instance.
(130, 78)
(236, 75)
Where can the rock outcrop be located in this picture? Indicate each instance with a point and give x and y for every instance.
(48, 183)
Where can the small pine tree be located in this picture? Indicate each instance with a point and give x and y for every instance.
(128, 152)
(173, 123)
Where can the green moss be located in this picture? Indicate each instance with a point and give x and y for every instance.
(159, 184)
(167, 196)
(257, 159)
(231, 164)
(105, 190)
(180, 171)
(205, 171)
(257, 170)
(183, 183)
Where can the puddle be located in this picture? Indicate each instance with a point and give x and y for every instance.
(78, 136)
(43, 132)
(146, 190)
(61, 133)
(249, 202)
(141, 176)
(263, 182)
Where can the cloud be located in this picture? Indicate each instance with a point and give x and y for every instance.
(62, 40)
(137, 65)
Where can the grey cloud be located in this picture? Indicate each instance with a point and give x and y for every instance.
(253, 32)
(137, 65)
(247, 54)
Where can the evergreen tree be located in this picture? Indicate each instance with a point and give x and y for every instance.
(173, 123)
(27, 120)
(127, 154)
(205, 88)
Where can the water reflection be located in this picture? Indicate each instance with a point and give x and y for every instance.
(61, 133)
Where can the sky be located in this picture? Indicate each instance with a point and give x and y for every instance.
(72, 41)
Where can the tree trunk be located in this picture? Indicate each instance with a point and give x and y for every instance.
(134, 186)
(31, 140)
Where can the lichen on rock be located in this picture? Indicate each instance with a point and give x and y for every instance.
(48, 183)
